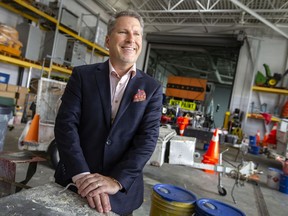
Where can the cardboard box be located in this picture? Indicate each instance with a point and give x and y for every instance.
(3, 87)
(12, 88)
(7, 94)
(21, 102)
(23, 90)
(22, 95)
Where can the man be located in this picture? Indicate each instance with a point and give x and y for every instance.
(108, 123)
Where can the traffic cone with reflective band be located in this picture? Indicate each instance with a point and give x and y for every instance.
(32, 135)
(212, 154)
(272, 135)
(182, 123)
(258, 138)
(265, 139)
(284, 112)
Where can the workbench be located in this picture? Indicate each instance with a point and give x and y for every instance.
(46, 201)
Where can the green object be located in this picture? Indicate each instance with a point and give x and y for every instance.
(5, 101)
(260, 79)
(267, 70)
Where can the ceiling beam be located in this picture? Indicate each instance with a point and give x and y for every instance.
(272, 11)
(213, 25)
(260, 18)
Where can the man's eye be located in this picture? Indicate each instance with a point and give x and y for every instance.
(122, 32)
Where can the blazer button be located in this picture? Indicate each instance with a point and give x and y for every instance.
(108, 142)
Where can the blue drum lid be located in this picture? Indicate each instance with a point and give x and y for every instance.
(275, 170)
(173, 193)
(210, 207)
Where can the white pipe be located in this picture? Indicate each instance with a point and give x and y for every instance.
(218, 75)
(260, 18)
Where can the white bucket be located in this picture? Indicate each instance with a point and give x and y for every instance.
(273, 178)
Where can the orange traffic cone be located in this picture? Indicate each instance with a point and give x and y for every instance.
(182, 123)
(272, 136)
(32, 135)
(284, 112)
(265, 139)
(212, 154)
(258, 138)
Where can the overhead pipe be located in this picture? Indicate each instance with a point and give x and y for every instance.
(260, 18)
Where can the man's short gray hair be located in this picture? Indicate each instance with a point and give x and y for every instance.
(130, 13)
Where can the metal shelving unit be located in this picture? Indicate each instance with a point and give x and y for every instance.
(267, 90)
(28, 11)
(270, 90)
(259, 116)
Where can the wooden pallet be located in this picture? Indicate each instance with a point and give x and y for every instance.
(10, 50)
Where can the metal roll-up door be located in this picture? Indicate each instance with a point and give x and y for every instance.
(196, 39)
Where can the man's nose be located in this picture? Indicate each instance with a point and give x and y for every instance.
(130, 38)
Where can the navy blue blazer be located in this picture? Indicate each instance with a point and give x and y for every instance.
(88, 142)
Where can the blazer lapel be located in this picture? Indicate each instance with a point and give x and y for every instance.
(102, 78)
(130, 91)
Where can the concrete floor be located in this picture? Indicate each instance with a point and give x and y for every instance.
(203, 185)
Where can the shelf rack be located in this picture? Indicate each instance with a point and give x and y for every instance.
(32, 16)
(267, 90)
(270, 90)
(259, 116)
(28, 64)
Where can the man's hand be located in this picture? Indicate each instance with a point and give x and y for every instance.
(95, 188)
(101, 202)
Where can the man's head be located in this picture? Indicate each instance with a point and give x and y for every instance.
(124, 38)
(130, 13)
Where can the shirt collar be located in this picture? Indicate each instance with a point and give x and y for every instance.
(132, 70)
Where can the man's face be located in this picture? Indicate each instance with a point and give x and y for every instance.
(125, 41)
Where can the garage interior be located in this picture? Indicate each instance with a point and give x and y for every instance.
(237, 48)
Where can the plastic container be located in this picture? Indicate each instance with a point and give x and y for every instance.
(170, 200)
(283, 185)
(254, 150)
(252, 141)
(210, 207)
(5, 115)
(273, 178)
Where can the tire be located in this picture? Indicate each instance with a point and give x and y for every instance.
(54, 154)
(222, 191)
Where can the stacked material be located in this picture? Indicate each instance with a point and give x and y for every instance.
(9, 40)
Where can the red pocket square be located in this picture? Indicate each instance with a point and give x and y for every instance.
(139, 96)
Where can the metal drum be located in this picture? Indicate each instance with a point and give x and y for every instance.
(169, 200)
(210, 207)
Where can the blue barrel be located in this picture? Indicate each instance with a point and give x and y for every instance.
(252, 141)
(170, 200)
(254, 150)
(210, 207)
(283, 185)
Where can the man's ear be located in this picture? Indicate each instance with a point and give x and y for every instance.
(107, 39)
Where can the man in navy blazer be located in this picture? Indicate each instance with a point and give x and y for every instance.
(108, 123)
